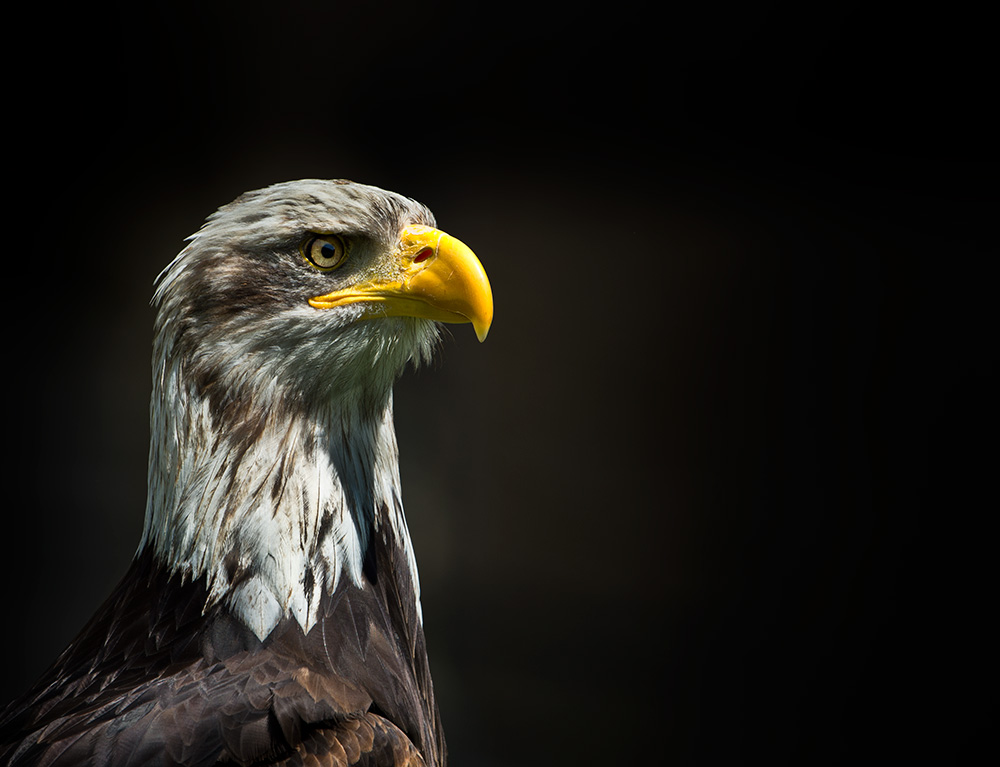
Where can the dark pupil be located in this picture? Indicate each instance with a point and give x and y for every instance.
(328, 252)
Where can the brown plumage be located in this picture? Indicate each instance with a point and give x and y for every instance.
(271, 614)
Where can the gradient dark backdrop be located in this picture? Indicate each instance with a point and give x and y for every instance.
(681, 503)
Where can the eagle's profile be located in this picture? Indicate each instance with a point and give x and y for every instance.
(271, 614)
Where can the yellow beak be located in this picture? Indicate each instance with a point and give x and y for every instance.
(434, 276)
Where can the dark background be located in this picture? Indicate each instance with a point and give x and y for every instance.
(707, 493)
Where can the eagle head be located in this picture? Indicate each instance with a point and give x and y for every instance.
(276, 285)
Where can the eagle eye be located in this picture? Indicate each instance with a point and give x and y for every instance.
(324, 251)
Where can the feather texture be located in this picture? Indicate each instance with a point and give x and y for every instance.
(272, 613)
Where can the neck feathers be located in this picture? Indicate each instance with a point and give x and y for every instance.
(274, 504)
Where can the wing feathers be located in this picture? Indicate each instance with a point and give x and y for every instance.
(368, 741)
(153, 680)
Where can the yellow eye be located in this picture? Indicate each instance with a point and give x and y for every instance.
(325, 251)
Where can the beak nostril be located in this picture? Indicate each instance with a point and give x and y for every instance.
(423, 255)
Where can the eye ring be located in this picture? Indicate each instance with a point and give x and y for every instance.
(325, 251)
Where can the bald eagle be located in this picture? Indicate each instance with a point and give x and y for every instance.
(271, 614)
